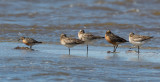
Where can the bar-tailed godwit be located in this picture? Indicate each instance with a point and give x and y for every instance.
(29, 41)
(114, 39)
(69, 42)
(138, 40)
(87, 37)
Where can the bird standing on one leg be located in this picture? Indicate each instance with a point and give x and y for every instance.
(69, 42)
(114, 39)
(87, 37)
(138, 40)
(29, 41)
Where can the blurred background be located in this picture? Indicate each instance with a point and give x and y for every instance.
(45, 20)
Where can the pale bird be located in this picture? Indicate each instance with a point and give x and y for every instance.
(69, 42)
(138, 40)
(87, 37)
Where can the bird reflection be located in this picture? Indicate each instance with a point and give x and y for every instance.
(113, 57)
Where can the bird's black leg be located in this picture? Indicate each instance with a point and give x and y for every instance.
(116, 48)
(31, 47)
(138, 49)
(69, 51)
(87, 49)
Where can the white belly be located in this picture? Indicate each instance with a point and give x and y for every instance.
(136, 43)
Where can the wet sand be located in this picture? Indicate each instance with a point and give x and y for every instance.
(50, 62)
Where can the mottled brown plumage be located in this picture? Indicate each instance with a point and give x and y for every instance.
(114, 39)
(29, 41)
(69, 42)
(138, 40)
(87, 37)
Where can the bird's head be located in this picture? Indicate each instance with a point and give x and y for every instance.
(63, 35)
(81, 31)
(21, 38)
(131, 34)
(108, 32)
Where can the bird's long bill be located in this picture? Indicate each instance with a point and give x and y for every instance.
(19, 39)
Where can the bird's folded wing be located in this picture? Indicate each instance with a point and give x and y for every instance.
(115, 38)
(140, 38)
(72, 41)
(88, 36)
(30, 40)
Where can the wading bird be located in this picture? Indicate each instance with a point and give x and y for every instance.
(87, 37)
(69, 42)
(114, 39)
(29, 41)
(138, 40)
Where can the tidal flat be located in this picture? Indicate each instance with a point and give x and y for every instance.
(46, 20)
(51, 62)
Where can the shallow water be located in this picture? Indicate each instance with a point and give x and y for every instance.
(50, 62)
(46, 20)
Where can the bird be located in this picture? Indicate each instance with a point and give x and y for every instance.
(87, 37)
(29, 41)
(114, 39)
(69, 42)
(138, 40)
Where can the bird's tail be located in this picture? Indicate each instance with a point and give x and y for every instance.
(151, 37)
(38, 42)
(99, 37)
(127, 41)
